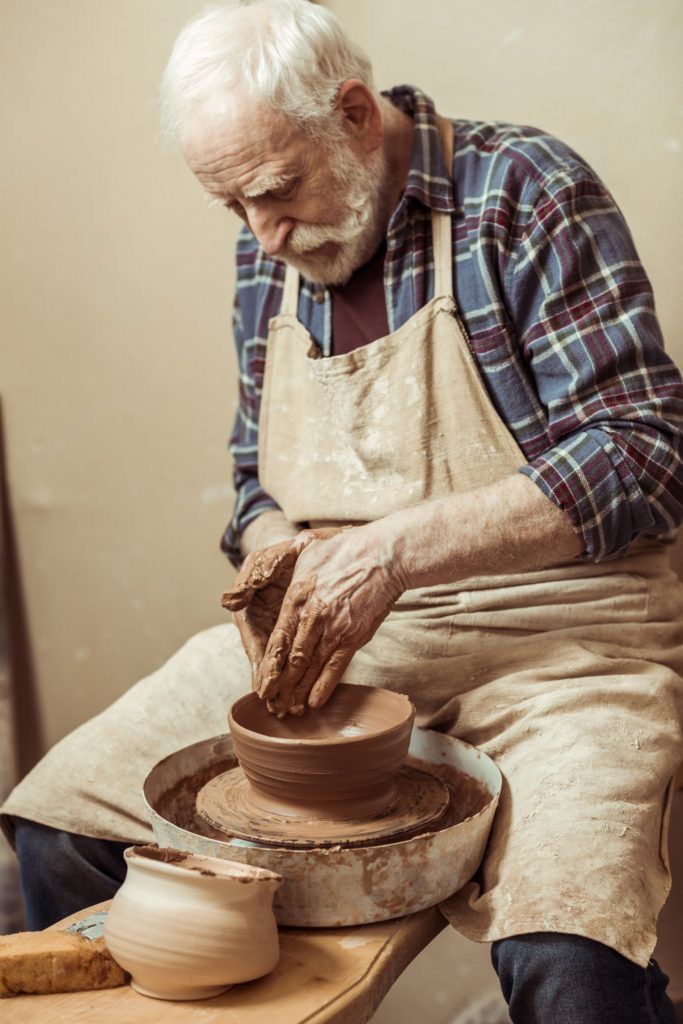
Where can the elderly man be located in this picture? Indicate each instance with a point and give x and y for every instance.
(457, 457)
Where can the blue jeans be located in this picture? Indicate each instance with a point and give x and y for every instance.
(549, 978)
(546, 978)
(61, 872)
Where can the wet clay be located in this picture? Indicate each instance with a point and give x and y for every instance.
(468, 795)
(225, 803)
(338, 763)
(178, 804)
(164, 854)
(211, 808)
(193, 862)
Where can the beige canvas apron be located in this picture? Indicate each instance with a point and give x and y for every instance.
(568, 677)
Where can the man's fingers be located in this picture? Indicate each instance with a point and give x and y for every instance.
(275, 658)
(307, 681)
(308, 633)
(301, 620)
(253, 639)
(296, 680)
(295, 614)
(272, 664)
(270, 565)
(259, 570)
(330, 676)
(294, 701)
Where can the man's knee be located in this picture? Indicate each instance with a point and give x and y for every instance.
(569, 978)
(63, 872)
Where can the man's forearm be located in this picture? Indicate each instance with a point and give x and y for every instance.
(509, 526)
(269, 528)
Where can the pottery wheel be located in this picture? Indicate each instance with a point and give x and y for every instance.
(224, 803)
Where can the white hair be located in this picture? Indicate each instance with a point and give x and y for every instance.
(291, 55)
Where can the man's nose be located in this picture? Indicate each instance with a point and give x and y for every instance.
(270, 229)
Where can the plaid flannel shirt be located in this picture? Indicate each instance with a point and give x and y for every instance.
(560, 317)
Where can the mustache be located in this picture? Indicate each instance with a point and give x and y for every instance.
(307, 237)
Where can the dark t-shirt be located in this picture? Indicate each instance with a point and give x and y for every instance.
(359, 312)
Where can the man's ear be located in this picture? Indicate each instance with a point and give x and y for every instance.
(361, 114)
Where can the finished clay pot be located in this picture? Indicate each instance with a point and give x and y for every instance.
(187, 927)
(337, 762)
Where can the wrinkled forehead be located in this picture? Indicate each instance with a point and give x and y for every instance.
(243, 135)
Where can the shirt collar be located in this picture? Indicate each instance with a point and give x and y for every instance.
(429, 180)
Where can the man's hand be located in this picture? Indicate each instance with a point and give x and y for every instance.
(256, 596)
(331, 589)
(258, 591)
(342, 587)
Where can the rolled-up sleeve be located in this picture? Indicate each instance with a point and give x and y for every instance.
(250, 498)
(583, 313)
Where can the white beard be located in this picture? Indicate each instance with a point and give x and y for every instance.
(362, 190)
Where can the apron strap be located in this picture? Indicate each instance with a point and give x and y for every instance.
(442, 237)
(290, 292)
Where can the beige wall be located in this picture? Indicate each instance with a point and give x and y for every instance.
(116, 366)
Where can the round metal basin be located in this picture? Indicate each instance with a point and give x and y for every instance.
(332, 886)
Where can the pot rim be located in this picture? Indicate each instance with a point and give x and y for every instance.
(302, 741)
(188, 864)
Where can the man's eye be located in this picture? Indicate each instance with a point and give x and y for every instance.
(287, 192)
(236, 207)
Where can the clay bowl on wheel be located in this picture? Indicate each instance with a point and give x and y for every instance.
(336, 762)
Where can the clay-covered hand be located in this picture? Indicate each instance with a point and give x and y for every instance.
(256, 596)
(342, 587)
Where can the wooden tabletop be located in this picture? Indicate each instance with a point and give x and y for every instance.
(325, 976)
